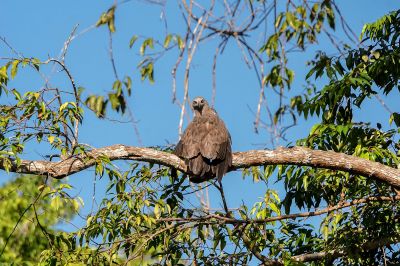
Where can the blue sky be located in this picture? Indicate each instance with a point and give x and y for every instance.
(40, 28)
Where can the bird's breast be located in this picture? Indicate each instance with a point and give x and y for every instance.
(209, 125)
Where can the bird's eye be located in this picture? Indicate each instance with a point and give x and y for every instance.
(194, 102)
(202, 100)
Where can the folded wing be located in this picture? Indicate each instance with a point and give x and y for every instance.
(206, 145)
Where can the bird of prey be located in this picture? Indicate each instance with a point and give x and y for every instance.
(205, 144)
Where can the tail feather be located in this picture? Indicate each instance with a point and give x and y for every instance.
(203, 169)
(196, 165)
(199, 169)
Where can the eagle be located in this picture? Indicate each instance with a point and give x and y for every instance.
(206, 144)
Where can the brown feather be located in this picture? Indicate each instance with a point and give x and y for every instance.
(206, 144)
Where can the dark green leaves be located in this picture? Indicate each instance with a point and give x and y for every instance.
(382, 29)
(97, 104)
(396, 118)
(279, 77)
(116, 98)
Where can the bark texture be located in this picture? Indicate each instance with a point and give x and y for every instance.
(282, 156)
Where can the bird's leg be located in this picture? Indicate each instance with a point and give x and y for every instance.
(174, 172)
(221, 190)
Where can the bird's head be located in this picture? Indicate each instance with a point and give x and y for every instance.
(199, 103)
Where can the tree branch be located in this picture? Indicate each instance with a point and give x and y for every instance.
(282, 156)
(216, 218)
(373, 244)
(333, 254)
(252, 246)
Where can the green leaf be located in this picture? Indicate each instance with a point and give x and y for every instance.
(14, 68)
(97, 104)
(55, 202)
(108, 18)
(278, 20)
(376, 54)
(128, 85)
(180, 42)
(117, 86)
(157, 212)
(274, 208)
(16, 94)
(305, 182)
(291, 19)
(51, 139)
(3, 73)
(63, 106)
(331, 17)
(396, 118)
(36, 63)
(147, 72)
(89, 220)
(147, 43)
(167, 40)
(133, 40)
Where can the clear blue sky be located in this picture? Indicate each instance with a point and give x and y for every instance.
(39, 29)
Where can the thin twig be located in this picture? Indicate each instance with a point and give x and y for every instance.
(231, 220)
(128, 108)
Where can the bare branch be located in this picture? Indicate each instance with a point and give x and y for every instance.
(61, 63)
(197, 32)
(281, 156)
(128, 108)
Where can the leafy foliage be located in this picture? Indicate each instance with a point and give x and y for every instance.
(148, 216)
(30, 209)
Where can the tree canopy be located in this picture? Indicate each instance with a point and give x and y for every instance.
(331, 197)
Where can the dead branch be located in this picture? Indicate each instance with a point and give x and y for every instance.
(282, 156)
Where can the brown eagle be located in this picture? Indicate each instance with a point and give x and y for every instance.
(205, 144)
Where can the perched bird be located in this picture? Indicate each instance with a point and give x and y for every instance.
(205, 144)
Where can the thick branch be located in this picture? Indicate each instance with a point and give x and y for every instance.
(81, 162)
(282, 156)
(320, 159)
